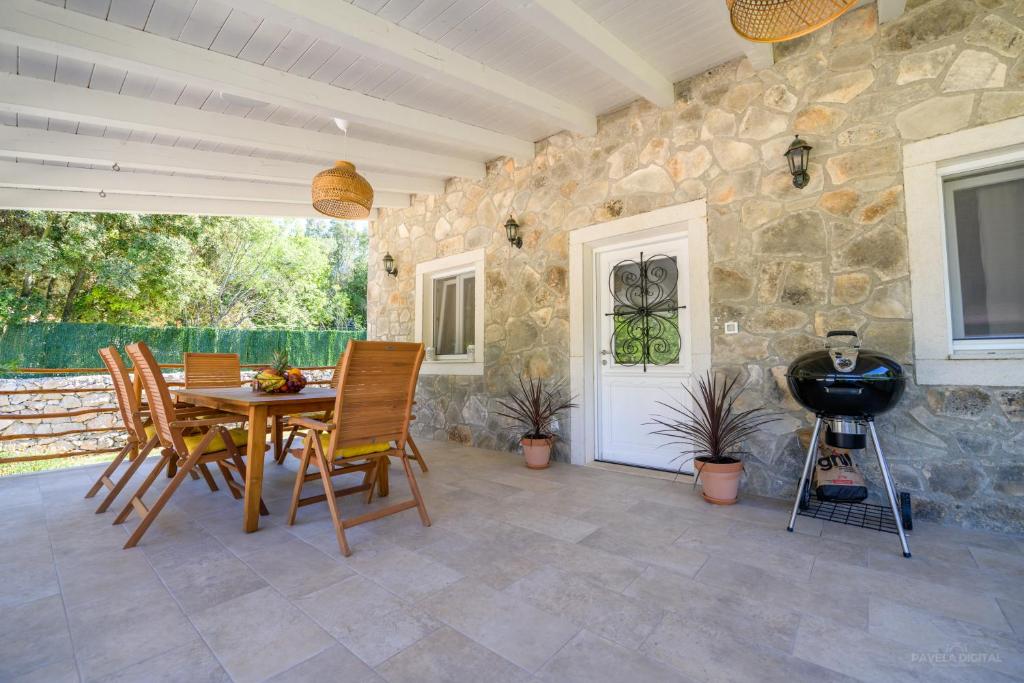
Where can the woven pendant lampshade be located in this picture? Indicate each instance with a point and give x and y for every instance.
(340, 192)
(773, 21)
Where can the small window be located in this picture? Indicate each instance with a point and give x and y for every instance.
(985, 249)
(454, 314)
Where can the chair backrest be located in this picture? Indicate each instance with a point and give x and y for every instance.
(376, 386)
(127, 403)
(161, 406)
(336, 374)
(212, 370)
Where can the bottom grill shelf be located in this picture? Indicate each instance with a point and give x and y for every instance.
(863, 515)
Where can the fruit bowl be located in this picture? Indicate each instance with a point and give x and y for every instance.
(279, 377)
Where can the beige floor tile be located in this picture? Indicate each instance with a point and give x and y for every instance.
(259, 634)
(296, 568)
(193, 663)
(587, 658)
(333, 664)
(448, 656)
(523, 634)
(34, 640)
(606, 613)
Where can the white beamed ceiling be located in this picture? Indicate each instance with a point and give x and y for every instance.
(186, 53)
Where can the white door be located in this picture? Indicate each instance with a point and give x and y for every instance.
(642, 338)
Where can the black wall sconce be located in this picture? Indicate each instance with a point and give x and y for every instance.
(512, 233)
(389, 265)
(797, 156)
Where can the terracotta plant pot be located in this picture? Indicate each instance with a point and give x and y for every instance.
(537, 452)
(720, 482)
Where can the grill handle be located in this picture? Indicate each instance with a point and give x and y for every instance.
(844, 391)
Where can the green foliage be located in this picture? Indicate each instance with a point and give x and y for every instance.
(158, 270)
(74, 345)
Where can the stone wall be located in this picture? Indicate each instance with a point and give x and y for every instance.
(787, 264)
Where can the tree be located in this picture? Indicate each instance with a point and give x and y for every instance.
(173, 270)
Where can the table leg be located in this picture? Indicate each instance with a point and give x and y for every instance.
(382, 477)
(256, 451)
(275, 436)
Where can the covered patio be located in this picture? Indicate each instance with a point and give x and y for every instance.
(568, 574)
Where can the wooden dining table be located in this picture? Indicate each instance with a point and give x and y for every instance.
(259, 407)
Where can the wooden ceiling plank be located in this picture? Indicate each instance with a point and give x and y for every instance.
(36, 26)
(348, 25)
(581, 33)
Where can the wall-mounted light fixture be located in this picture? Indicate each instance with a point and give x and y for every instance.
(389, 265)
(797, 156)
(512, 233)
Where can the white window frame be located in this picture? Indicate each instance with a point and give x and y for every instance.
(926, 164)
(470, 262)
(460, 277)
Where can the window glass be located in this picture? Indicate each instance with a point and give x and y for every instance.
(454, 314)
(985, 242)
(646, 314)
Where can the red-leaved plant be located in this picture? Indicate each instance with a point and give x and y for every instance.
(535, 407)
(713, 429)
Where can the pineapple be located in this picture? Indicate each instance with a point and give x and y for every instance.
(279, 376)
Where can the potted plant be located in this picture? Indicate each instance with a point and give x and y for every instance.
(536, 408)
(711, 431)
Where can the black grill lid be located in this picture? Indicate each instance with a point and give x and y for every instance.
(845, 363)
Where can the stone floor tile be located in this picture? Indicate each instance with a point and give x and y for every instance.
(1013, 610)
(26, 578)
(718, 608)
(681, 559)
(980, 650)
(296, 568)
(557, 526)
(490, 562)
(588, 658)
(333, 664)
(523, 634)
(704, 653)
(861, 655)
(614, 571)
(406, 573)
(370, 621)
(107, 576)
(34, 638)
(999, 561)
(448, 656)
(976, 608)
(193, 663)
(259, 634)
(109, 637)
(603, 611)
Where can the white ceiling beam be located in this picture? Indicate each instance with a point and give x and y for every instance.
(564, 21)
(44, 145)
(53, 200)
(888, 10)
(40, 177)
(53, 30)
(345, 24)
(19, 94)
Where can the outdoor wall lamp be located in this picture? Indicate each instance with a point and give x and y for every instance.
(389, 265)
(797, 155)
(512, 233)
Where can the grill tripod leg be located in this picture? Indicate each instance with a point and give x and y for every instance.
(807, 471)
(890, 489)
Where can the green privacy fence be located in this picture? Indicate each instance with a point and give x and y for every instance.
(74, 345)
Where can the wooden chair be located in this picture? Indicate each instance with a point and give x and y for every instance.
(203, 370)
(370, 425)
(139, 428)
(335, 376)
(213, 444)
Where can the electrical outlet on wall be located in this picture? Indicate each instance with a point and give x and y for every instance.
(732, 327)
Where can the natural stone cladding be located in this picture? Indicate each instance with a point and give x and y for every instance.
(787, 264)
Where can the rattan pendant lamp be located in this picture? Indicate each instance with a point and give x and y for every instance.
(773, 21)
(340, 192)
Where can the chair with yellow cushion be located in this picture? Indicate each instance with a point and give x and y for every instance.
(369, 425)
(141, 434)
(189, 439)
(205, 370)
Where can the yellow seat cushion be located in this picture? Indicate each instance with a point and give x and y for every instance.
(240, 437)
(354, 451)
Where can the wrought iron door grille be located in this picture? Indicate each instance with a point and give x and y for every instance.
(645, 311)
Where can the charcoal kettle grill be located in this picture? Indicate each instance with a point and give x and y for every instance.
(846, 387)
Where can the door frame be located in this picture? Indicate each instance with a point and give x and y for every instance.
(689, 219)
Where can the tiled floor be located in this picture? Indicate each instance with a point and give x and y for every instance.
(568, 574)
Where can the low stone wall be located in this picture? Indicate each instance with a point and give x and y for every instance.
(72, 399)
